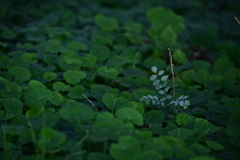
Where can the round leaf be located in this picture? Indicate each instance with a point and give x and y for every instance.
(53, 46)
(160, 146)
(187, 102)
(169, 96)
(75, 111)
(12, 106)
(110, 73)
(35, 112)
(127, 148)
(161, 72)
(182, 103)
(49, 76)
(60, 86)
(153, 77)
(68, 62)
(76, 92)
(158, 87)
(180, 56)
(106, 23)
(89, 61)
(154, 117)
(154, 69)
(113, 102)
(166, 89)
(11, 90)
(57, 98)
(37, 97)
(20, 74)
(76, 46)
(74, 77)
(101, 52)
(130, 115)
(50, 139)
(161, 92)
(164, 78)
(156, 82)
(163, 17)
(184, 119)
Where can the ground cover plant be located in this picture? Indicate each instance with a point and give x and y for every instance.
(119, 80)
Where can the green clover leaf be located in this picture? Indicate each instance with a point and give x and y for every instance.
(98, 90)
(127, 148)
(12, 106)
(110, 73)
(75, 112)
(163, 17)
(100, 51)
(11, 90)
(49, 76)
(37, 97)
(53, 46)
(20, 74)
(35, 112)
(76, 46)
(101, 39)
(89, 61)
(74, 77)
(153, 117)
(159, 145)
(133, 27)
(76, 92)
(184, 119)
(50, 139)
(68, 62)
(109, 128)
(5, 62)
(180, 56)
(202, 126)
(57, 98)
(60, 86)
(106, 23)
(113, 102)
(130, 115)
(168, 35)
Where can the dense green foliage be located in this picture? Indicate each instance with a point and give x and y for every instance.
(89, 80)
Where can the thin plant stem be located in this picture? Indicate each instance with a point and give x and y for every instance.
(105, 145)
(5, 144)
(237, 20)
(80, 142)
(172, 65)
(93, 77)
(90, 101)
(33, 136)
(201, 135)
